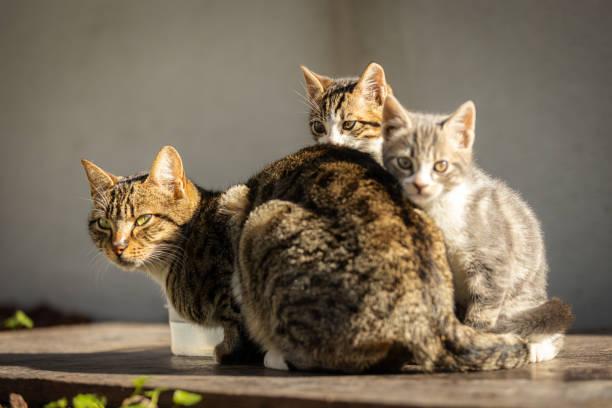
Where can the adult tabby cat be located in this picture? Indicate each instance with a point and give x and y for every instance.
(333, 269)
(165, 225)
(495, 244)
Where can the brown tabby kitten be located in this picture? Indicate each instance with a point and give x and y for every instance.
(336, 271)
(495, 244)
(164, 224)
(333, 269)
(348, 111)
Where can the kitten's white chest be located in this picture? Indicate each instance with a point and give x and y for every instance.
(449, 213)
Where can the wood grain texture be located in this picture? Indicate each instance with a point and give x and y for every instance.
(44, 364)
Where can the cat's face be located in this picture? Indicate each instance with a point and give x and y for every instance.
(428, 154)
(136, 221)
(348, 112)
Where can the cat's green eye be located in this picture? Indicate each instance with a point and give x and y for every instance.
(317, 127)
(143, 219)
(104, 223)
(404, 163)
(348, 124)
(441, 166)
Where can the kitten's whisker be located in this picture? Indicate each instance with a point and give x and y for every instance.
(308, 102)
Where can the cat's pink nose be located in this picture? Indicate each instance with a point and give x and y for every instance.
(119, 247)
(420, 187)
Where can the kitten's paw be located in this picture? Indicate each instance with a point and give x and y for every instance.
(273, 359)
(546, 349)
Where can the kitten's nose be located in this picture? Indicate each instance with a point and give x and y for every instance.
(119, 246)
(420, 186)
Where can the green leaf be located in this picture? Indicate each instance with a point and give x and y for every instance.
(19, 319)
(88, 401)
(154, 395)
(185, 398)
(60, 403)
(139, 383)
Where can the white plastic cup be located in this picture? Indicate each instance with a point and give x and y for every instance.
(189, 339)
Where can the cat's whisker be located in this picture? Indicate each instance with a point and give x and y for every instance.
(308, 102)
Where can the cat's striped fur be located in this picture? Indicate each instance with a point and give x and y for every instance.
(332, 100)
(183, 246)
(337, 271)
(348, 111)
(334, 270)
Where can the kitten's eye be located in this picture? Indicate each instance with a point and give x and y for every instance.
(104, 223)
(441, 166)
(143, 219)
(404, 163)
(317, 127)
(348, 124)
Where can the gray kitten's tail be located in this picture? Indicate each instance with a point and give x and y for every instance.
(551, 317)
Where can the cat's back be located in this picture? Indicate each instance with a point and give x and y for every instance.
(324, 168)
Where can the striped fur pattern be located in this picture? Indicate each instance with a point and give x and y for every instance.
(348, 111)
(335, 270)
(182, 244)
(495, 244)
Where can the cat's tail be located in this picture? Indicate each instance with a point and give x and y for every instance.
(551, 317)
(467, 349)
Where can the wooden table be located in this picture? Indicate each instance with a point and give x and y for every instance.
(46, 364)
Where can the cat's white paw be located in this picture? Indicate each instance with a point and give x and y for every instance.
(544, 350)
(273, 359)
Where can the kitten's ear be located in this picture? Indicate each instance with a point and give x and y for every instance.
(394, 116)
(315, 84)
(167, 172)
(372, 83)
(462, 125)
(99, 180)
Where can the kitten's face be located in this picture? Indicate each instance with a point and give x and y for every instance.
(136, 221)
(348, 112)
(429, 154)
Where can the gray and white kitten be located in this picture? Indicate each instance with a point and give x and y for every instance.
(494, 241)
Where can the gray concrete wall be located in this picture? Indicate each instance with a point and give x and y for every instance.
(114, 81)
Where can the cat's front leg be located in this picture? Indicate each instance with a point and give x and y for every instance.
(487, 293)
(237, 347)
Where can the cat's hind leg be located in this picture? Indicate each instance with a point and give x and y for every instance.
(298, 297)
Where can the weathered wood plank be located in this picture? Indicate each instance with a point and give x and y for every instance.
(45, 364)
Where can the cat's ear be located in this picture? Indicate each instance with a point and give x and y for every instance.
(373, 85)
(167, 172)
(462, 125)
(99, 180)
(394, 116)
(315, 84)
